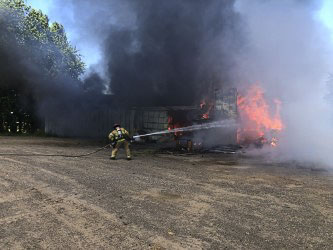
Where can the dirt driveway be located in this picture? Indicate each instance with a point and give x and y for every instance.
(158, 201)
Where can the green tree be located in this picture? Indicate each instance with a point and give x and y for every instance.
(32, 31)
(45, 46)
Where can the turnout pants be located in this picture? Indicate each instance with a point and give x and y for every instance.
(118, 145)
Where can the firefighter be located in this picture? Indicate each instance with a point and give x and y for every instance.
(119, 136)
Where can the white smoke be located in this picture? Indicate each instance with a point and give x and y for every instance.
(289, 53)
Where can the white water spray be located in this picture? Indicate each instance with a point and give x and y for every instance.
(216, 124)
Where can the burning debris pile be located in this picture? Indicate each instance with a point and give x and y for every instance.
(199, 127)
(258, 119)
(260, 123)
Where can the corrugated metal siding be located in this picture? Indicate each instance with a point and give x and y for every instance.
(155, 120)
(100, 122)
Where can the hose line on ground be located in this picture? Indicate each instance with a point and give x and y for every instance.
(57, 155)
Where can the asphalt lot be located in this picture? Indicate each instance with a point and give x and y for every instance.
(158, 200)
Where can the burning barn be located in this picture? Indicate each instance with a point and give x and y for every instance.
(258, 121)
(221, 105)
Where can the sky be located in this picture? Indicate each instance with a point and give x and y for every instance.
(91, 54)
(326, 14)
(40, 4)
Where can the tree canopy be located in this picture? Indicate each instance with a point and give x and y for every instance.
(31, 30)
(30, 45)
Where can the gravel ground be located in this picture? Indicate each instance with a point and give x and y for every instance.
(158, 200)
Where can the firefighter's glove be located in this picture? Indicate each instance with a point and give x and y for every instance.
(113, 144)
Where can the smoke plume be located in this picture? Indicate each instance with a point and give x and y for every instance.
(19, 72)
(289, 53)
(161, 52)
(25, 70)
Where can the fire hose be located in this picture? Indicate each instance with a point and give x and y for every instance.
(58, 155)
(226, 123)
(217, 124)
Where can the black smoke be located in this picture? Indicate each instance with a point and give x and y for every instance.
(26, 87)
(175, 52)
(153, 53)
(161, 52)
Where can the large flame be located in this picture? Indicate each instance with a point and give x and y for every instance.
(259, 121)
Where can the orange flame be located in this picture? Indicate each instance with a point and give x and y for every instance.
(173, 125)
(255, 115)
